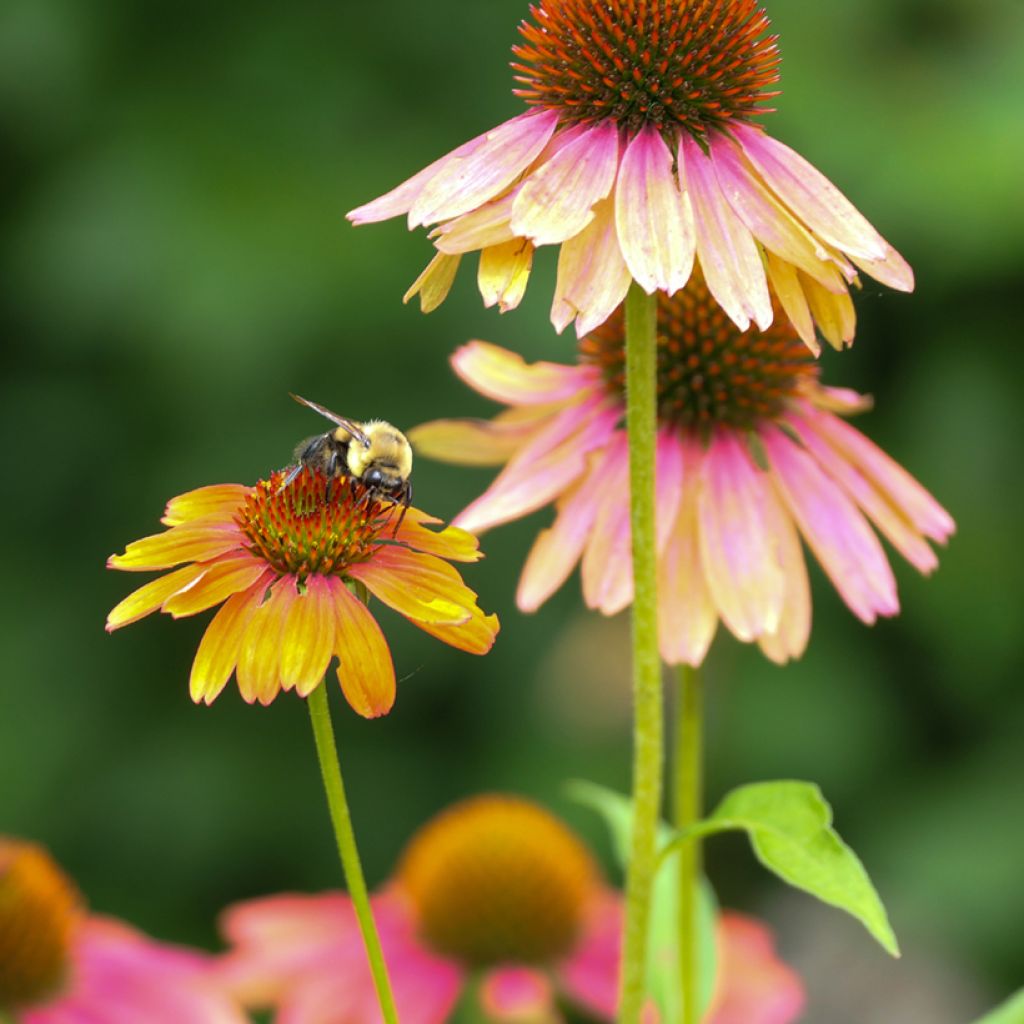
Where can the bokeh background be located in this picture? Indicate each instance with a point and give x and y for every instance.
(174, 260)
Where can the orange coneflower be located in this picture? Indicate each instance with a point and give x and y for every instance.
(283, 562)
(640, 158)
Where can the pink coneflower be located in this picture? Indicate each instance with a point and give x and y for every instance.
(282, 561)
(640, 159)
(494, 889)
(752, 455)
(61, 965)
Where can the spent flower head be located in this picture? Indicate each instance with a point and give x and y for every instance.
(283, 562)
(640, 158)
(752, 455)
(62, 965)
(494, 888)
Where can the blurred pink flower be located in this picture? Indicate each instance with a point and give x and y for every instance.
(488, 879)
(60, 965)
(639, 160)
(751, 456)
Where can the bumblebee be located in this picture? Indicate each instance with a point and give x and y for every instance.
(374, 453)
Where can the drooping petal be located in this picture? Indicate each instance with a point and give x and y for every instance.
(785, 282)
(558, 548)
(434, 284)
(215, 500)
(478, 442)
(147, 599)
(451, 543)
(669, 469)
(836, 531)
(472, 177)
(687, 617)
(307, 641)
(259, 657)
(223, 577)
(366, 671)
(545, 468)
(592, 275)
(789, 639)
(810, 195)
(590, 975)
(767, 219)
(893, 482)
(419, 586)
(893, 270)
(504, 273)
(653, 217)
(556, 201)
(729, 257)
(607, 567)
(198, 540)
(834, 314)
(518, 995)
(484, 226)
(755, 986)
(218, 650)
(506, 377)
(740, 561)
(476, 636)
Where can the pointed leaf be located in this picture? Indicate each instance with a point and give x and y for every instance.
(1010, 1012)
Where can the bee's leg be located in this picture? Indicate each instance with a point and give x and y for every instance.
(332, 469)
(406, 501)
(295, 471)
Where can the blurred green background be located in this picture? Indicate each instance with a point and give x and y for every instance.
(174, 260)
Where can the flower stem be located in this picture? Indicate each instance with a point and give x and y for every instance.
(641, 423)
(334, 786)
(688, 776)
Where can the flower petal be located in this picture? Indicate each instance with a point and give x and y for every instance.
(556, 201)
(652, 216)
(196, 541)
(755, 986)
(472, 177)
(687, 617)
(484, 226)
(892, 270)
(767, 219)
(223, 577)
(218, 650)
(419, 586)
(434, 284)
(558, 548)
(307, 641)
(607, 567)
(504, 273)
(215, 500)
(506, 377)
(729, 256)
(475, 636)
(451, 543)
(837, 533)
(737, 551)
(590, 975)
(790, 639)
(478, 442)
(834, 314)
(518, 995)
(785, 283)
(811, 196)
(545, 468)
(148, 598)
(893, 482)
(259, 657)
(366, 672)
(592, 275)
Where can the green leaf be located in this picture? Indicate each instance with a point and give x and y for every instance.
(663, 980)
(1010, 1012)
(790, 828)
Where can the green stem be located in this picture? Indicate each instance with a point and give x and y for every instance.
(334, 786)
(688, 774)
(641, 423)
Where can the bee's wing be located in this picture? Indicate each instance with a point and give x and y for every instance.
(353, 428)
